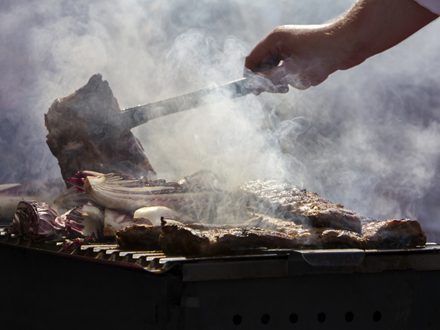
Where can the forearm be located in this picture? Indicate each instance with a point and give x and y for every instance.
(305, 55)
(373, 26)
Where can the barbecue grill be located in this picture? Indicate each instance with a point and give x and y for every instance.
(101, 286)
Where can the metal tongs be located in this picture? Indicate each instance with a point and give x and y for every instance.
(141, 114)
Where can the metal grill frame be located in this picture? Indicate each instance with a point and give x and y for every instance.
(278, 289)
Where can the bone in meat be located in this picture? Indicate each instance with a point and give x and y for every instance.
(81, 138)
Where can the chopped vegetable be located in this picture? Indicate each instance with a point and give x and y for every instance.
(127, 194)
(82, 221)
(34, 219)
(69, 199)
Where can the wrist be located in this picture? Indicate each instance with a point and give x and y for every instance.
(345, 48)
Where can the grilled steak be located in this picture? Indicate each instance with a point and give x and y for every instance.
(81, 138)
(330, 238)
(394, 234)
(139, 237)
(250, 238)
(176, 239)
(310, 237)
(267, 232)
(283, 200)
(186, 240)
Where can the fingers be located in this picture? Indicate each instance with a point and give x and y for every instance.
(268, 54)
(262, 64)
(262, 57)
(259, 83)
(273, 66)
(264, 82)
(276, 80)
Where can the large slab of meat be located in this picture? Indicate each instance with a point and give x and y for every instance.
(308, 236)
(264, 232)
(177, 239)
(286, 201)
(187, 241)
(81, 137)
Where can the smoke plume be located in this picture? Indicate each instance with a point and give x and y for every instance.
(368, 138)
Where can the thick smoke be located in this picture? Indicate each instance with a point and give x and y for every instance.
(368, 138)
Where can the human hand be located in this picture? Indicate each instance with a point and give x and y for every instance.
(299, 56)
(304, 56)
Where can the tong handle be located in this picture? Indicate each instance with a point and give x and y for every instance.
(141, 114)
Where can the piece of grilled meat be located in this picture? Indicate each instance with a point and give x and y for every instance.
(180, 239)
(266, 232)
(286, 201)
(187, 240)
(309, 237)
(139, 237)
(81, 138)
(393, 233)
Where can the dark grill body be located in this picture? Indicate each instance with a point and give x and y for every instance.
(98, 286)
